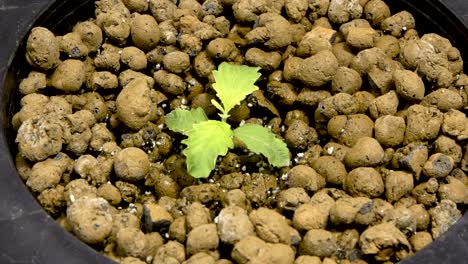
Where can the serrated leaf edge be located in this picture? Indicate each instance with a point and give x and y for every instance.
(279, 143)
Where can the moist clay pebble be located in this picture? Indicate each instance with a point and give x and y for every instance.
(43, 49)
(90, 219)
(131, 164)
(372, 111)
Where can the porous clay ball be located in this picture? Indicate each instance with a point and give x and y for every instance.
(305, 259)
(144, 31)
(305, 177)
(293, 115)
(398, 184)
(455, 124)
(296, 10)
(69, 76)
(103, 80)
(202, 238)
(386, 104)
(376, 11)
(47, 174)
(390, 130)
(237, 198)
(37, 105)
(79, 188)
(363, 100)
(291, 198)
(433, 66)
(134, 58)
(176, 62)
(346, 210)
(366, 152)
(90, 219)
(438, 165)
(137, 5)
(443, 216)
(364, 61)
(131, 164)
(398, 23)
(409, 85)
(426, 192)
(340, 103)
(131, 242)
(318, 39)
(170, 83)
(318, 242)
(361, 37)
(234, 224)
(331, 168)
(53, 200)
(454, 190)
(346, 80)
(265, 60)
(389, 45)
(272, 30)
(421, 215)
(42, 49)
(90, 34)
(109, 58)
(343, 53)
(72, 45)
(448, 146)
(444, 99)
(314, 71)
(364, 181)
(39, 138)
(344, 11)
(124, 220)
(114, 19)
(134, 104)
(221, 48)
(299, 135)
(256, 250)
(382, 235)
(110, 193)
(420, 240)
(177, 229)
(347, 129)
(309, 216)
(129, 75)
(422, 123)
(272, 227)
(33, 83)
(171, 252)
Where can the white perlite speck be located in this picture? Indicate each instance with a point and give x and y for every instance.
(284, 177)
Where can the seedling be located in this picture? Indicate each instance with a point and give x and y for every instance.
(208, 139)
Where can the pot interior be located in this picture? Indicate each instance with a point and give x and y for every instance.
(431, 16)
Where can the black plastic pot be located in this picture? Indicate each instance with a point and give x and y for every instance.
(29, 235)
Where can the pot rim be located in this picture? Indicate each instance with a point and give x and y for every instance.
(29, 234)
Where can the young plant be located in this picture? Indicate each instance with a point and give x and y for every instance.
(208, 139)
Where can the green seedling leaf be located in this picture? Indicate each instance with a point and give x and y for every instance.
(182, 121)
(218, 106)
(261, 140)
(233, 84)
(206, 141)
